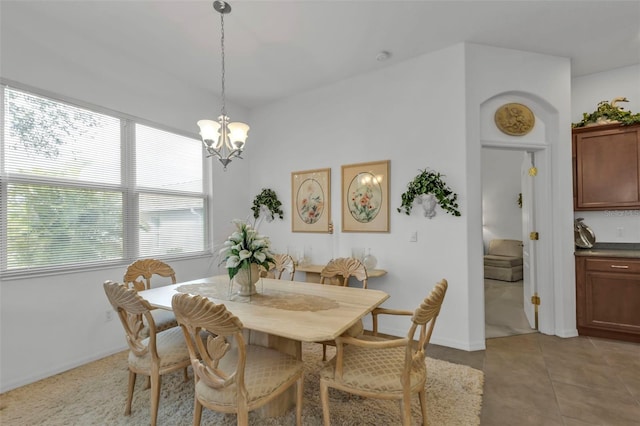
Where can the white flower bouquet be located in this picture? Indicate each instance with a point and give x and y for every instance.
(244, 247)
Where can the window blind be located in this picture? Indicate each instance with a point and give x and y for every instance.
(72, 196)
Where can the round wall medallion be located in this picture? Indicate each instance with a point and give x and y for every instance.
(514, 119)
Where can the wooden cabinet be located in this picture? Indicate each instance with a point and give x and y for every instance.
(606, 167)
(608, 297)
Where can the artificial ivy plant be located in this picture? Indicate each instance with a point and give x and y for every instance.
(430, 182)
(609, 112)
(269, 199)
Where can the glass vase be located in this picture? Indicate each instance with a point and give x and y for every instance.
(369, 261)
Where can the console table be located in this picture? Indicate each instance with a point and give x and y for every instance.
(313, 272)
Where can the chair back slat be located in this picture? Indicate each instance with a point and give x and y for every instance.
(131, 307)
(338, 271)
(282, 263)
(426, 314)
(199, 316)
(145, 269)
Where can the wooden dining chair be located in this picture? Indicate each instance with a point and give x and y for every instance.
(282, 263)
(230, 375)
(138, 276)
(373, 367)
(160, 353)
(140, 272)
(337, 272)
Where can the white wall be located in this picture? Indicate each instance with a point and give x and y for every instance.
(501, 215)
(392, 114)
(617, 226)
(52, 323)
(544, 82)
(416, 114)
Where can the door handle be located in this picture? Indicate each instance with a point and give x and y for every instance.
(620, 266)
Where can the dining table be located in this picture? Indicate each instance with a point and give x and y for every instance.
(282, 314)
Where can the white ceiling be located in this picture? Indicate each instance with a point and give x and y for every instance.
(275, 49)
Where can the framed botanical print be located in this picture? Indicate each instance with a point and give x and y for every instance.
(311, 201)
(365, 197)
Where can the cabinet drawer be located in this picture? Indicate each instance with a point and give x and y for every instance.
(614, 265)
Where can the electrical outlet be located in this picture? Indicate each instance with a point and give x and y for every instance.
(108, 316)
(414, 237)
(620, 230)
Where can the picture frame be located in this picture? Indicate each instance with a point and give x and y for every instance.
(311, 201)
(365, 197)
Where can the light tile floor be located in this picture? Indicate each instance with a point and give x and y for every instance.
(503, 307)
(536, 379)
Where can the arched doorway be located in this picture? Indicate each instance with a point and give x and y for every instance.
(537, 144)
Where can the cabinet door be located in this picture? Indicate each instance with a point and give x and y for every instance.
(608, 297)
(612, 301)
(607, 168)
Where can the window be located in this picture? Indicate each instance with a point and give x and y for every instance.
(83, 187)
(170, 222)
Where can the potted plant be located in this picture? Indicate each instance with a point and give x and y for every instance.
(243, 252)
(267, 202)
(608, 113)
(425, 183)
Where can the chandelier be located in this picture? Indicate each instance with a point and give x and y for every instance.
(223, 139)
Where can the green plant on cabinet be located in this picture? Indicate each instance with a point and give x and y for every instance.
(608, 113)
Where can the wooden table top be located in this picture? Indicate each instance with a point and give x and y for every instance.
(316, 269)
(301, 311)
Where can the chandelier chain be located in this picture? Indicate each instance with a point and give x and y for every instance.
(224, 108)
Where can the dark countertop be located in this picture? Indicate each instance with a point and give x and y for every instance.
(629, 250)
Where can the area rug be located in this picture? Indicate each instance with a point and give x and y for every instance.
(95, 394)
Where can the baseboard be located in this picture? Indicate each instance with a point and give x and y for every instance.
(13, 384)
(450, 343)
(567, 333)
(456, 344)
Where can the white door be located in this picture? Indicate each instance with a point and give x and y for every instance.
(528, 245)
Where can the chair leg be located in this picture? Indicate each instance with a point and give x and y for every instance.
(406, 411)
(243, 417)
(324, 397)
(148, 385)
(186, 374)
(423, 405)
(197, 412)
(131, 387)
(300, 395)
(324, 352)
(156, 381)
